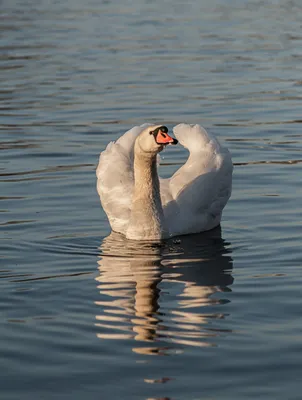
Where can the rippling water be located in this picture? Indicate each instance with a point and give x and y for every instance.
(86, 314)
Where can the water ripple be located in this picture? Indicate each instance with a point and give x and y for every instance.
(221, 317)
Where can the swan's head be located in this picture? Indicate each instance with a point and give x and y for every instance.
(153, 139)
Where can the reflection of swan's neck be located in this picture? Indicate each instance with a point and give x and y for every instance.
(147, 217)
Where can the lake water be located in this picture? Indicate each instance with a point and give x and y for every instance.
(86, 316)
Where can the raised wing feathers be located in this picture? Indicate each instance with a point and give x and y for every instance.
(116, 179)
(196, 194)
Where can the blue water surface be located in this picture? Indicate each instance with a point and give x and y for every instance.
(89, 315)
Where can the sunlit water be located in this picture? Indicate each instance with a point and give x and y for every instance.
(86, 315)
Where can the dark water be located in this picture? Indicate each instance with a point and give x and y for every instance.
(205, 317)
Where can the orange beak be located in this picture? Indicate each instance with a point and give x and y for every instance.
(162, 137)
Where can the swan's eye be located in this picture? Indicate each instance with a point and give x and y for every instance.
(151, 133)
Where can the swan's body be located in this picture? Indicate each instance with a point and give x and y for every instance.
(143, 206)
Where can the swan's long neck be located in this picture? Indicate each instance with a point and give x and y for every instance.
(147, 217)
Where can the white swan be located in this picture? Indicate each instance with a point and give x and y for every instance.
(143, 206)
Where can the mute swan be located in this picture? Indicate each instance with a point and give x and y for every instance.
(143, 206)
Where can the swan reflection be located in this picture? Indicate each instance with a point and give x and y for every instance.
(163, 294)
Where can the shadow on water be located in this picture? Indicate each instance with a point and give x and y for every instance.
(169, 295)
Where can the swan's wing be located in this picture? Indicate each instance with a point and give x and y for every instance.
(196, 194)
(115, 178)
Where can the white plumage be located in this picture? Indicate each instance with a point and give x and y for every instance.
(192, 199)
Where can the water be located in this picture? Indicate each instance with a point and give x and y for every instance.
(89, 316)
